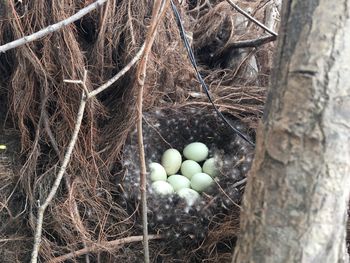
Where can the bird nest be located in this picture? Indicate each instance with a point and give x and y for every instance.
(185, 228)
(89, 211)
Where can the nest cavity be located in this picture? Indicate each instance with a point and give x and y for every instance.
(170, 215)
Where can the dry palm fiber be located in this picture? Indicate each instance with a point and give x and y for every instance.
(13, 225)
(39, 102)
(36, 88)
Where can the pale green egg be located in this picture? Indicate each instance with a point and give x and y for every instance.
(189, 195)
(210, 167)
(201, 181)
(179, 182)
(171, 161)
(162, 188)
(189, 168)
(158, 172)
(196, 151)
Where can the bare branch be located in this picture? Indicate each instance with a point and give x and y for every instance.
(118, 75)
(240, 10)
(75, 213)
(102, 246)
(251, 42)
(158, 11)
(51, 28)
(42, 208)
(85, 97)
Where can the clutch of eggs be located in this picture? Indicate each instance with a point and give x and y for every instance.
(194, 178)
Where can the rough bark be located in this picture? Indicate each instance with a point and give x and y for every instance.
(295, 205)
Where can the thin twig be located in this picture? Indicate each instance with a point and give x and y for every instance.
(51, 28)
(85, 97)
(158, 11)
(239, 108)
(64, 164)
(240, 10)
(199, 75)
(75, 215)
(130, 23)
(114, 78)
(251, 42)
(229, 198)
(42, 208)
(102, 246)
(77, 82)
(119, 74)
(13, 239)
(239, 183)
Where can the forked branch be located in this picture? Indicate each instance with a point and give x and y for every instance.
(52, 28)
(84, 98)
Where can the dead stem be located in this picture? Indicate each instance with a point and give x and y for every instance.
(42, 208)
(85, 96)
(102, 246)
(157, 12)
(240, 10)
(52, 28)
(72, 202)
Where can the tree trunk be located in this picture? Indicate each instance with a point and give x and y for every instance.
(295, 204)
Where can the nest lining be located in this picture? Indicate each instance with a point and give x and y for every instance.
(170, 215)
